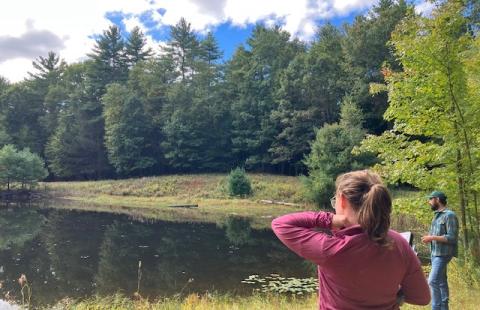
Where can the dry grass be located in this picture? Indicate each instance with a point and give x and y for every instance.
(151, 197)
(464, 296)
(196, 302)
(194, 186)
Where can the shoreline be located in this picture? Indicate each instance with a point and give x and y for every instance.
(153, 198)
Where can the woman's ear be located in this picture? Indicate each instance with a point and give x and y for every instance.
(341, 201)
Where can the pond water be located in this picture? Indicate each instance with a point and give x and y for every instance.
(79, 254)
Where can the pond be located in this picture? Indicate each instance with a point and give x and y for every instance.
(76, 254)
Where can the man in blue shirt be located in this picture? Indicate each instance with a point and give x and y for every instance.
(443, 237)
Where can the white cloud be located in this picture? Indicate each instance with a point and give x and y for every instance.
(346, 6)
(15, 69)
(75, 22)
(424, 7)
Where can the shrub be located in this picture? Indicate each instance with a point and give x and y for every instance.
(239, 183)
(22, 167)
(331, 154)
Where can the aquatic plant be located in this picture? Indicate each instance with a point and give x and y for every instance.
(275, 283)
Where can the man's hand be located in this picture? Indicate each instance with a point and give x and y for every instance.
(427, 239)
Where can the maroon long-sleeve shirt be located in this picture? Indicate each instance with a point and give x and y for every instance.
(353, 271)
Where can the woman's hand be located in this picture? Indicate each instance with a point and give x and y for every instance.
(339, 221)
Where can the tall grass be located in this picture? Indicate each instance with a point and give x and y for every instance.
(203, 186)
(150, 197)
(464, 296)
(194, 302)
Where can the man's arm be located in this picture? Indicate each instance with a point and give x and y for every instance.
(452, 228)
(451, 235)
(429, 238)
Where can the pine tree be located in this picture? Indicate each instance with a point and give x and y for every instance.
(135, 50)
(46, 82)
(253, 77)
(4, 137)
(126, 131)
(183, 49)
(108, 62)
(331, 153)
(366, 50)
(308, 96)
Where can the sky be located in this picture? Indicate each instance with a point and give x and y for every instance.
(32, 28)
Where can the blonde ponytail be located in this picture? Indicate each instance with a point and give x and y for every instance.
(370, 198)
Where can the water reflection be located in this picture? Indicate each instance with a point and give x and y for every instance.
(77, 254)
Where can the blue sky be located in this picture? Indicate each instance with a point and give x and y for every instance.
(228, 35)
(31, 28)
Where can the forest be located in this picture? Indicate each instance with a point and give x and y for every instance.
(394, 90)
(125, 111)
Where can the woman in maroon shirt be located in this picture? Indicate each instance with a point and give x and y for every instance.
(362, 264)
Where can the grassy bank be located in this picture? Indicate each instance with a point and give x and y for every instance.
(196, 186)
(195, 302)
(153, 197)
(464, 296)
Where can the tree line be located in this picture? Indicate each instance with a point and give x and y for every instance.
(127, 112)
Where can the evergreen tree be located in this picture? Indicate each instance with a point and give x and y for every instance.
(209, 50)
(308, 96)
(126, 131)
(45, 82)
(4, 137)
(238, 183)
(183, 49)
(108, 62)
(366, 50)
(76, 148)
(107, 65)
(48, 68)
(253, 77)
(196, 119)
(135, 50)
(62, 149)
(152, 81)
(332, 153)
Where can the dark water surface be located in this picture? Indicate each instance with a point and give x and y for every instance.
(78, 254)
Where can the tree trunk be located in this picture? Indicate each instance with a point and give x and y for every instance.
(461, 196)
